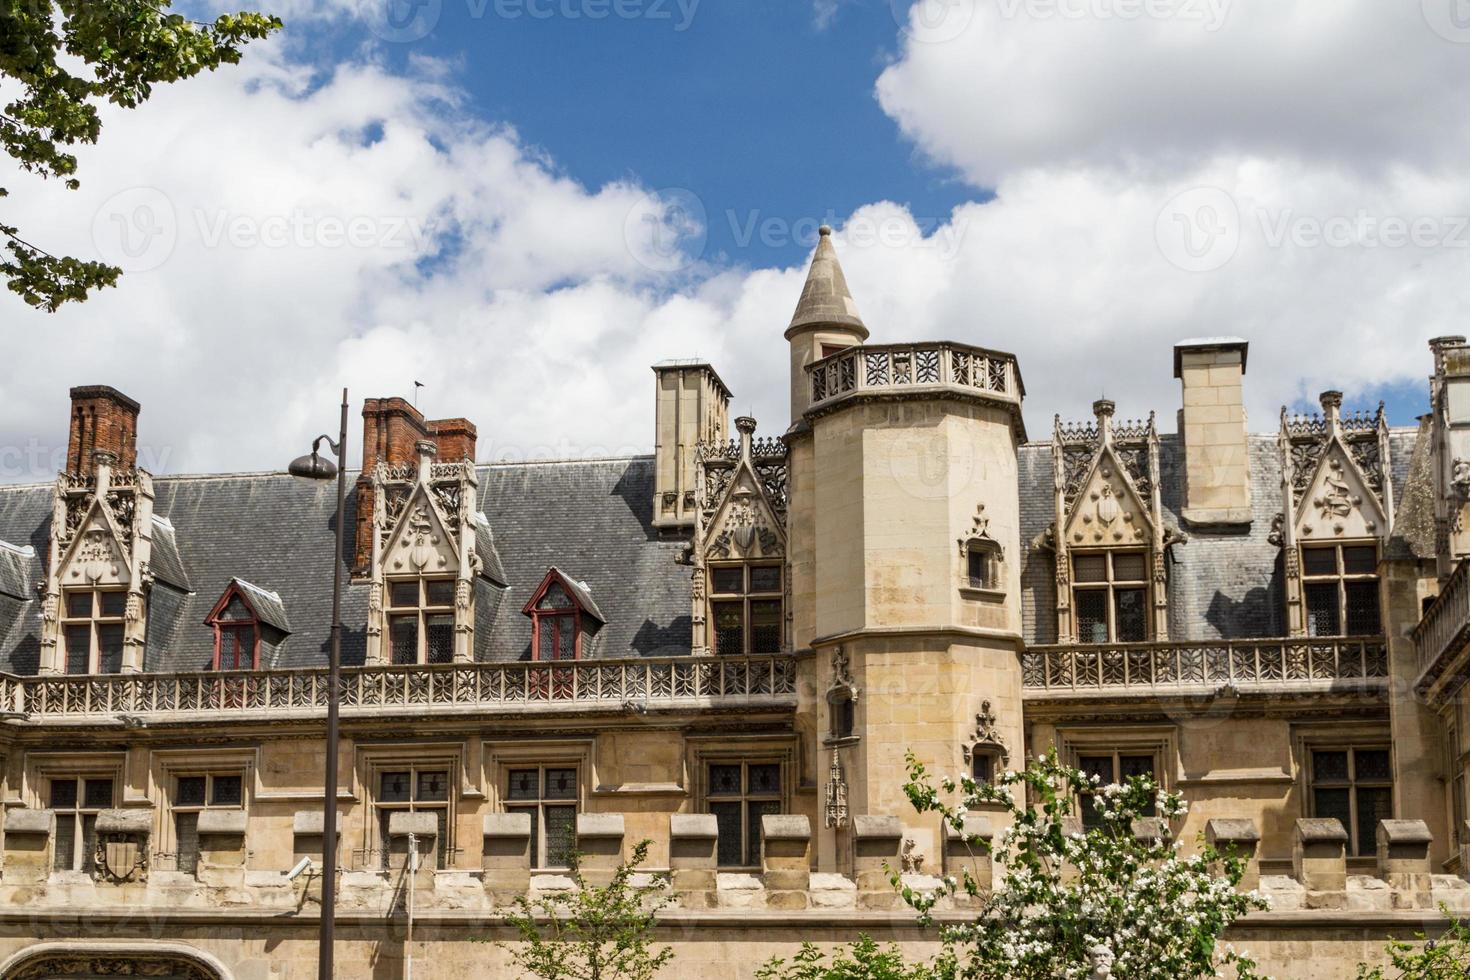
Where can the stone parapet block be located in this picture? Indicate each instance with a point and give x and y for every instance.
(1241, 838)
(693, 857)
(506, 854)
(28, 834)
(425, 829)
(877, 850)
(1319, 860)
(1403, 861)
(600, 846)
(786, 841)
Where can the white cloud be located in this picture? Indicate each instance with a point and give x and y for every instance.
(533, 304)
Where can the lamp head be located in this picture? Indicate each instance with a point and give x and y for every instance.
(313, 467)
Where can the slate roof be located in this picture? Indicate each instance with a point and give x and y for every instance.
(1222, 584)
(592, 519)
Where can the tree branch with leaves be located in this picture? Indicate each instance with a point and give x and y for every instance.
(589, 932)
(126, 47)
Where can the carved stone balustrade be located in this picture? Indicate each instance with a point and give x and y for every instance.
(1297, 665)
(445, 689)
(915, 370)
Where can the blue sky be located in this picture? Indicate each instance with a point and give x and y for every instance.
(751, 105)
(553, 203)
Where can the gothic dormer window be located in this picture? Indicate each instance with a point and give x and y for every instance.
(1110, 596)
(421, 620)
(244, 617)
(562, 615)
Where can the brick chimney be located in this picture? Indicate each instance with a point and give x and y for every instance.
(1212, 424)
(392, 428)
(102, 418)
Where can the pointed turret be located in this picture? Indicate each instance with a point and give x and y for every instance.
(826, 320)
(825, 299)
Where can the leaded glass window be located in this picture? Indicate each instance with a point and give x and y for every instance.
(1110, 596)
(739, 795)
(421, 621)
(414, 789)
(1340, 590)
(1355, 786)
(548, 794)
(746, 608)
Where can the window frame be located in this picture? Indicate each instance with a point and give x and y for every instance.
(82, 855)
(559, 620)
(540, 853)
(1341, 578)
(175, 808)
(744, 599)
(92, 623)
(381, 808)
(745, 797)
(1352, 784)
(420, 613)
(1158, 741)
(1110, 586)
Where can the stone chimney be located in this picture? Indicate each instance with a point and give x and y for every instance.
(392, 429)
(102, 419)
(691, 405)
(1213, 427)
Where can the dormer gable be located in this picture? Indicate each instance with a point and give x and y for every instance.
(1108, 510)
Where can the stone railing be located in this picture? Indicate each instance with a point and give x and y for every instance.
(663, 682)
(1148, 668)
(1441, 632)
(902, 368)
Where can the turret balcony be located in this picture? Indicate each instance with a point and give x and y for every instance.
(915, 370)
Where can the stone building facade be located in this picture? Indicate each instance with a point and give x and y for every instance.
(727, 649)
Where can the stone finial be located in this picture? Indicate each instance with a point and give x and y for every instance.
(426, 448)
(745, 425)
(1104, 408)
(1332, 406)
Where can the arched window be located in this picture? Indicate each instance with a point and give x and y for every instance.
(985, 752)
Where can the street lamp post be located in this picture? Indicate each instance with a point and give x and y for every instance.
(315, 467)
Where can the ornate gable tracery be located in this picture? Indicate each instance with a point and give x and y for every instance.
(1336, 486)
(423, 528)
(100, 539)
(742, 509)
(1106, 479)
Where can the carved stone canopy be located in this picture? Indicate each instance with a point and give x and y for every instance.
(986, 739)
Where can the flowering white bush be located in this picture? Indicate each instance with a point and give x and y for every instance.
(1106, 903)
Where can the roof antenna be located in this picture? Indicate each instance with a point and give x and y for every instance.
(416, 386)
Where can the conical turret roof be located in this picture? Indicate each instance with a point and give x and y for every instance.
(825, 299)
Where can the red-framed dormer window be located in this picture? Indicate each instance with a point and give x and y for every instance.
(236, 632)
(557, 610)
